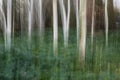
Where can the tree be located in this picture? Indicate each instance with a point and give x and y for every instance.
(106, 21)
(30, 18)
(77, 20)
(92, 25)
(83, 4)
(40, 17)
(55, 27)
(65, 20)
(9, 24)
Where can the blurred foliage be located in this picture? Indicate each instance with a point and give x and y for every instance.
(36, 62)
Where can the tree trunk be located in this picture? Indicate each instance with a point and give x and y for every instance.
(106, 22)
(83, 32)
(55, 27)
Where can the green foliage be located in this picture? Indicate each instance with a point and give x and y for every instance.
(37, 62)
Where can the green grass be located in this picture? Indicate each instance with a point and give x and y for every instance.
(37, 62)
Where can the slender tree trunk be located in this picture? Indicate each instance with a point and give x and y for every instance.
(68, 22)
(9, 23)
(41, 27)
(65, 20)
(30, 18)
(83, 32)
(92, 25)
(55, 27)
(63, 15)
(77, 21)
(106, 21)
(21, 16)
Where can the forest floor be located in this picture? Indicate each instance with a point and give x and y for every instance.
(36, 61)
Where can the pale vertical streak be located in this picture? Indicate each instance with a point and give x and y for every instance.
(9, 23)
(92, 25)
(68, 23)
(1, 3)
(65, 21)
(41, 33)
(63, 15)
(77, 22)
(106, 22)
(30, 9)
(83, 4)
(55, 27)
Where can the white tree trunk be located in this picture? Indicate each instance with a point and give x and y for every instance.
(68, 23)
(55, 27)
(65, 20)
(92, 25)
(106, 21)
(9, 23)
(1, 2)
(83, 4)
(30, 18)
(77, 21)
(41, 27)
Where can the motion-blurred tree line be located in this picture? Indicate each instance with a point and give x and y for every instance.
(20, 14)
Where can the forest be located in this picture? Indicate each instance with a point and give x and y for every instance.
(59, 40)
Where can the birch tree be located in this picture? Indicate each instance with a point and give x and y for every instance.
(30, 18)
(106, 21)
(77, 20)
(65, 20)
(9, 24)
(41, 27)
(92, 25)
(21, 15)
(55, 27)
(83, 4)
